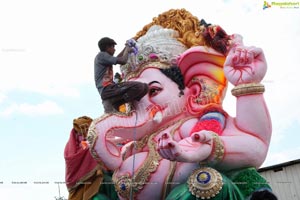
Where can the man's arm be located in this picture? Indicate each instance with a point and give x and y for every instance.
(122, 52)
(123, 56)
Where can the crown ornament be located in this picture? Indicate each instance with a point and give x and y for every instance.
(160, 43)
(158, 48)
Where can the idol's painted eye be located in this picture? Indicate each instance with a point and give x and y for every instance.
(155, 88)
(153, 91)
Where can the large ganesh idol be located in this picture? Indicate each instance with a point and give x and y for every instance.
(177, 142)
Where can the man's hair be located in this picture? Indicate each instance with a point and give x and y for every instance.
(264, 194)
(105, 42)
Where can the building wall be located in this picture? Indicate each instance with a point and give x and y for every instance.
(284, 180)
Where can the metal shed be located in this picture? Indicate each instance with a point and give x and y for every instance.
(284, 179)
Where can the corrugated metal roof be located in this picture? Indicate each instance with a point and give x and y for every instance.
(279, 166)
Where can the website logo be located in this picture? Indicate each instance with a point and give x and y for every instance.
(266, 5)
(281, 4)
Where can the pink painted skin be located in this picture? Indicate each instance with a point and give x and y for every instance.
(246, 137)
(245, 65)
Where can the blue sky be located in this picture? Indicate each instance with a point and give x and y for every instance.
(47, 50)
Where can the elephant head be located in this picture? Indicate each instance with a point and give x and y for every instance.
(182, 83)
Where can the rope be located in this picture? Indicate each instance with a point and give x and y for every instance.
(133, 160)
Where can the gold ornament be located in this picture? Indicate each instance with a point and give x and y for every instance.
(205, 183)
(218, 149)
(182, 21)
(248, 89)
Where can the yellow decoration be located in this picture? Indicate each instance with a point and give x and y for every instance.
(122, 108)
(182, 21)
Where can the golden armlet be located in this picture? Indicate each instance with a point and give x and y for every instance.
(248, 89)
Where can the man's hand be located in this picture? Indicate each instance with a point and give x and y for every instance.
(130, 49)
(132, 44)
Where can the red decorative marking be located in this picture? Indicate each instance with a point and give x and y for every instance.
(196, 137)
(209, 125)
(171, 145)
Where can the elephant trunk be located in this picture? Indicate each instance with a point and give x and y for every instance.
(109, 131)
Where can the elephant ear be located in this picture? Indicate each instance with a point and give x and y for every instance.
(202, 68)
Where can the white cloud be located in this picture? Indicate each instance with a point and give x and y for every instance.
(2, 97)
(47, 53)
(45, 108)
(274, 158)
(283, 97)
(62, 90)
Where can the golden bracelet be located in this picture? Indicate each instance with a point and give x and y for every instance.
(247, 89)
(217, 151)
(218, 148)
